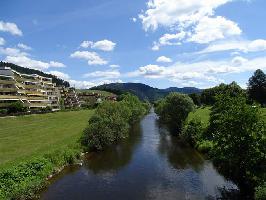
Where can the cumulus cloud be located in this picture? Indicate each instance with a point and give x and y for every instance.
(188, 21)
(104, 74)
(10, 28)
(164, 59)
(2, 41)
(92, 57)
(211, 29)
(114, 66)
(12, 52)
(240, 45)
(61, 75)
(209, 71)
(169, 13)
(104, 45)
(25, 61)
(169, 39)
(24, 46)
(56, 64)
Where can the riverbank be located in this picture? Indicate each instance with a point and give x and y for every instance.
(34, 147)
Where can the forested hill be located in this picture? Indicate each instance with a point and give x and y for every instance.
(144, 91)
(23, 70)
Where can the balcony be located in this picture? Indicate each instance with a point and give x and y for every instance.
(7, 82)
(8, 89)
(38, 105)
(10, 97)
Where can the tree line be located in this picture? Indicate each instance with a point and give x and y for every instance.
(112, 120)
(235, 138)
(255, 92)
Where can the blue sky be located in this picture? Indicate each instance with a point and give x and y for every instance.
(161, 43)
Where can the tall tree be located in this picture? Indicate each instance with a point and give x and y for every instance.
(257, 87)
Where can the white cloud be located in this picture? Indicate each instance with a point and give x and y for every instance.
(169, 13)
(104, 45)
(61, 75)
(24, 46)
(114, 66)
(134, 19)
(211, 29)
(92, 57)
(89, 84)
(12, 52)
(241, 45)
(2, 41)
(164, 59)
(10, 27)
(169, 39)
(25, 61)
(205, 71)
(104, 74)
(56, 64)
(86, 44)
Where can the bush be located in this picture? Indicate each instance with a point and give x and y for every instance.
(21, 181)
(260, 193)
(111, 121)
(192, 132)
(238, 134)
(204, 146)
(174, 109)
(16, 107)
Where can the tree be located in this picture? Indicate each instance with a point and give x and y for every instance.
(239, 137)
(16, 107)
(257, 87)
(174, 109)
(196, 98)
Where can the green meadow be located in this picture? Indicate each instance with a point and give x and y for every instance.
(34, 135)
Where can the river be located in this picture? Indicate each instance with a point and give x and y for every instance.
(150, 164)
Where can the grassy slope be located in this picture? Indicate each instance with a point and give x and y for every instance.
(201, 113)
(27, 136)
(204, 114)
(104, 93)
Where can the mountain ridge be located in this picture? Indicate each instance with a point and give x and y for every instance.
(144, 91)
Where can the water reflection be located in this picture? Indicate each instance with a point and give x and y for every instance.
(150, 164)
(179, 154)
(116, 156)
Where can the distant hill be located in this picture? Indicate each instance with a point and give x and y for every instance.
(24, 70)
(144, 91)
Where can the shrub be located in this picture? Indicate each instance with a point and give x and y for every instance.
(238, 134)
(260, 193)
(16, 107)
(192, 132)
(204, 146)
(174, 109)
(111, 121)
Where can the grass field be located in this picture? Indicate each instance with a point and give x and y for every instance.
(104, 93)
(26, 136)
(202, 113)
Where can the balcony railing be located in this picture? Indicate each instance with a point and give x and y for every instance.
(8, 89)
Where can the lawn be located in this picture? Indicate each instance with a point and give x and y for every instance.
(104, 93)
(26, 136)
(202, 113)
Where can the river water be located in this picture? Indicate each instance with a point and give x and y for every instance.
(150, 164)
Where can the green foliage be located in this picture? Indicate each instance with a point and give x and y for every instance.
(239, 138)
(174, 109)
(196, 98)
(260, 193)
(111, 122)
(192, 132)
(204, 146)
(208, 96)
(257, 87)
(16, 107)
(21, 181)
